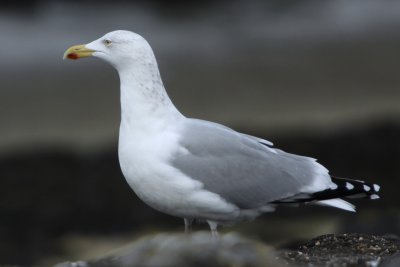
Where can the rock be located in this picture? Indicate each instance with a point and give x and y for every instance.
(198, 249)
(392, 261)
(345, 250)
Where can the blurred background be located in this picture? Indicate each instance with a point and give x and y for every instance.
(319, 78)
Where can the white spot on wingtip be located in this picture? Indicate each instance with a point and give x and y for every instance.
(367, 188)
(333, 186)
(374, 196)
(349, 186)
(376, 187)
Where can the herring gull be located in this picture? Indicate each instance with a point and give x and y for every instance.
(196, 169)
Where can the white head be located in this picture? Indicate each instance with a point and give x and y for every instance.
(119, 48)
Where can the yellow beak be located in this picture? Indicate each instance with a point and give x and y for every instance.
(78, 51)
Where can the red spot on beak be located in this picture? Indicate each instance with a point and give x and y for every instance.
(72, 56)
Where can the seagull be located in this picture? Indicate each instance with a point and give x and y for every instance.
(197, 169)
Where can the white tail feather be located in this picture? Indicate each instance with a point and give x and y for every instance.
(337, 203)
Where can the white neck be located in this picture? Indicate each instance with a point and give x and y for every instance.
(144, 100)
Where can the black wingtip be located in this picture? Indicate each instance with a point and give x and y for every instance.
(351, 189)
(345, 188)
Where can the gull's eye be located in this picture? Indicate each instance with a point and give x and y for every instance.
(107, 42)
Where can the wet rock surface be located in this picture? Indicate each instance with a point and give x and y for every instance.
(344, 250)
(198, 249)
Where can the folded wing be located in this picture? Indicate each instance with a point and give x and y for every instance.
(245, 170)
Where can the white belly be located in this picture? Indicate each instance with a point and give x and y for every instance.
(161, 186)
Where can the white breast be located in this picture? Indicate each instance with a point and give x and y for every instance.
(144, 158)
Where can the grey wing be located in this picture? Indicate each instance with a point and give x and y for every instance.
(243, 169)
